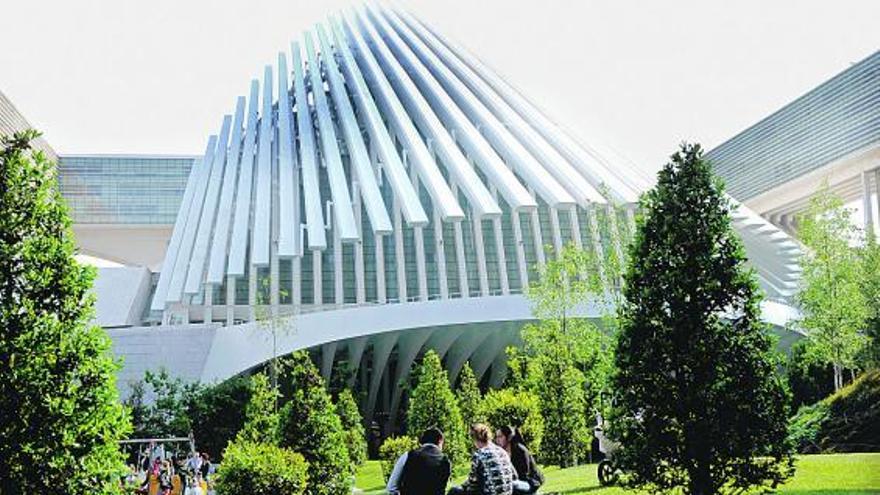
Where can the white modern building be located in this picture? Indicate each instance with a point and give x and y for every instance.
(831, 134)
(377, 193)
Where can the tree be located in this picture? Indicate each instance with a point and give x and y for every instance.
(60, 417)
(870, 257)
(831, 296)
(352, 425)
(568, 358)
(261, 417)
(218, 413)
(168, 413)
(432, 403)
(309, 425)
(698, 406)
(469, 397)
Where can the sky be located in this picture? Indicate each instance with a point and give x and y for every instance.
(129, 76)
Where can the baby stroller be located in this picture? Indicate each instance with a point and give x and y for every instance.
(607, 471)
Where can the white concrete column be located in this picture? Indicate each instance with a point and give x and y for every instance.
(867, 203)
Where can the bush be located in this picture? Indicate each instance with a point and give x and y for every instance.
(218, 414)
(806, 426)
(261, 469)
(518, 409)
(391, 449)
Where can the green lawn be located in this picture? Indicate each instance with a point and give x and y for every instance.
(839, 474)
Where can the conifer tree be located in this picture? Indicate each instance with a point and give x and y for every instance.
(699, 405)
(261, 418)
(432, 403)
(60, 416)
(308, 424)
(353, 426)
(469, 397)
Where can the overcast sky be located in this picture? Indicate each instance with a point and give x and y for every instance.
(127, 76)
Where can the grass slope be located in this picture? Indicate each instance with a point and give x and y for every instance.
(835, 474)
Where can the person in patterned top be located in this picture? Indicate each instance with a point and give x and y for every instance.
(492, 473)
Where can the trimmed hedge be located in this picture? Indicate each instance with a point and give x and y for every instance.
(391, 449)
(261, 469)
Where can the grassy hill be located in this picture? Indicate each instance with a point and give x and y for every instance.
(846, 421)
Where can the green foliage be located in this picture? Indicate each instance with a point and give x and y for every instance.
(392, 448)
(218, 413)
(698, 404)
(469, 396)
(352, 425)
(870, 258)
(846, 421)
(520, 409)
(432, 403)
(806, 427)
(60, 418)
(810, 381)
(261, 469)
(309, 425)
(831, 297)
(261, 415)
(168, 413)
(563, 402)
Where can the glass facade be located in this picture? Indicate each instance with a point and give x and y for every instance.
(123, 189)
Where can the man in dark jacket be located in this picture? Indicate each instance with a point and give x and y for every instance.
(423, 471)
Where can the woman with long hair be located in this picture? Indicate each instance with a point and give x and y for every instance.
(528, 474)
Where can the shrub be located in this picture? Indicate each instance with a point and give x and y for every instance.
(308, 424)
(806, 426)
(261, 417)
(518, 409)
(391, 449)
(250, 468)
(218, 414)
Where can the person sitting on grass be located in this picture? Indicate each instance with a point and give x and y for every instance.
(529, 477)
(491, 470)
(423, 471)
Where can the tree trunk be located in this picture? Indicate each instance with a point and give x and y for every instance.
(838, 377)
(701, 480)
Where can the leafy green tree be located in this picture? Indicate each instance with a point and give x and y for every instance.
(870, 258)
(309, 425)
(218, 413)
(261, 417)
(699, 406)
(60, 417)
(469, 397)
(353, 426)
(432, 403)
(261, 469)
(831, 297)
(809, 380)
(518, 408)
(168, 413)
(563, 403)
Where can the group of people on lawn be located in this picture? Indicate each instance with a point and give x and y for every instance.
(500, 467)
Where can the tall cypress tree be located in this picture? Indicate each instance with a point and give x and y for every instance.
(60, 417)
(432, 403)
(353, 426)
(699, 404)
(308, 424)
(469, 397)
